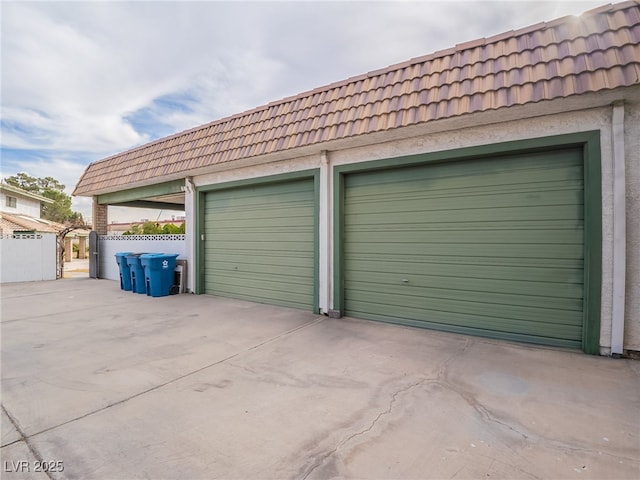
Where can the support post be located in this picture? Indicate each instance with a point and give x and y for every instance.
(191, 215)
(100, 217)
(68, 249)
(619, 231)
(82, 243)
(324, 241)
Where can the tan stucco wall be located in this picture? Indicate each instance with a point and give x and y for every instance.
(544, 120)
(258, 171)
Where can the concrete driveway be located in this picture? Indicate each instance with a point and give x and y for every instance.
(106, 384)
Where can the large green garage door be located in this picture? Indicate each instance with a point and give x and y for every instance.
(259, 243)
(492, 247)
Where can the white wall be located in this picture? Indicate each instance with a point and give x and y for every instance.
(109, 245)
(28, 206)
(28, 258)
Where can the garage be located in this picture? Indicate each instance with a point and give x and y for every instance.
(490, 246)
(259, 243)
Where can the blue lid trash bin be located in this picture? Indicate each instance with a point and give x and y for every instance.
(159, 272)
(138, 284)
(125, 271)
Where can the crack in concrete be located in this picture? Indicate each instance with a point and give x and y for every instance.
(24, 438)
(578, 449)
(488, 416)
(442, 380)
(394, 396)
(484, 412)
(442, 369)
(347, 439)
(176, 379)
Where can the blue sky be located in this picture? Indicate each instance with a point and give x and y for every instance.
(85, 80)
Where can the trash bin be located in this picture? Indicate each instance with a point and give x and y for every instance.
(137, 273)
(125, 271)
(159, 273)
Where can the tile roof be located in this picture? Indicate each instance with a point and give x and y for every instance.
(599, 50)
(16, 222)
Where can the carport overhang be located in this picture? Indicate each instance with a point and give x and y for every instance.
(165, 196)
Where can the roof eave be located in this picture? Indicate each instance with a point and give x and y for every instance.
(24, 193)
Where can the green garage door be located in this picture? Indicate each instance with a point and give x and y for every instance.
(259, 243)
(492, 247)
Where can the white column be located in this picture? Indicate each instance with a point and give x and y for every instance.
(325, 231)
(190, 232)
(619, 230)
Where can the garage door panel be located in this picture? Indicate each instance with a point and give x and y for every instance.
(417, 183)
(358, 225)
(479, 322)
(272, 209)
(260, 194)
(542, 289)
(408, 216)
(468, 249)
(494, 261)
(257, 245)
(284, 259)
(257, 281)
(495, 199)
(281, 215)
(275, 272)
(260, 295)
(259, 236)
(260, 243)
(469, 303)
(492, 327)
(397, 266)
(400, 237)
(374, 291)
(493, 245)
(419, 189)
(265, 223)
(535, 167)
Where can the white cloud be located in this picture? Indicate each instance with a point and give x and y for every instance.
(64, 170)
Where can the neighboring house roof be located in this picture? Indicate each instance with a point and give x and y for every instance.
(600, 50)
(19, 222)
(5, 187)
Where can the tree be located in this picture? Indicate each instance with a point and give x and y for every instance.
(48, 187)
(170, 228)
(151, 228)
